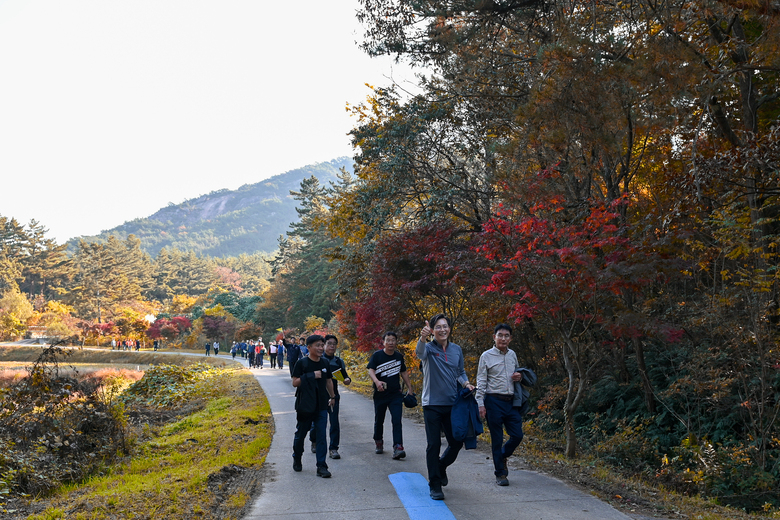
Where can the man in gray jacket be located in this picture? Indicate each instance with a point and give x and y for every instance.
(496, 378)
(443, 375)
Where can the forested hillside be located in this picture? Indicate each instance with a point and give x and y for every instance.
(226, 222)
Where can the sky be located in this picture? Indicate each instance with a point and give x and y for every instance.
(110, 110)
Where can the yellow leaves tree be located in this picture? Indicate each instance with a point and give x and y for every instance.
(57, 318)
(313, 323)
(15, 312)
(182, 304)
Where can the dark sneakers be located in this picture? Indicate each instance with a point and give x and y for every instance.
(323, 472)
(443, 473)
(297, 464)
(398, 452)
(334, 454)
(437, 493)
(501, 480)
(380, 447)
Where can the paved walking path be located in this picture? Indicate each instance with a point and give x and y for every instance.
(366, 485)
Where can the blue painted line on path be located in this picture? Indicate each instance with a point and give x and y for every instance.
(412, 489)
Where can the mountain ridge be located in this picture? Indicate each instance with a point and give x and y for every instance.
(226, 222)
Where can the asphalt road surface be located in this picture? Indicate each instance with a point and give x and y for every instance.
(365, 485)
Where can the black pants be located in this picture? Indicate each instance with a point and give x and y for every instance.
(319, 421)
(437, 418)
(335, 429)
(381, 406)
(500, 415)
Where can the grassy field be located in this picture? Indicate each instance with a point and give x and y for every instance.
(95, 355)
(202, 459)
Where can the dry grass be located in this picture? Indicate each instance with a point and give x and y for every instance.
(95, 357)
(9, 376)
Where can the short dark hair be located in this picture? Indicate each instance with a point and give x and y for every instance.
(390, 333)
(314, 338)
(502, 326)
(439, 316)
(331, 336)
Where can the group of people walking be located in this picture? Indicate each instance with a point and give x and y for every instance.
(256, 352)
(127, 344)
(451, 403)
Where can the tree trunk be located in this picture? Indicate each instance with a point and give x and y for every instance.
(647, 387)
(571, 434)
(574, 392)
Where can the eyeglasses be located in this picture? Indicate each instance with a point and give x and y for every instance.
(441, 327)
(503, 336)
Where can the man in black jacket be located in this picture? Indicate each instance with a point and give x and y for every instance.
(293, 355)
(337, 366)
(313, 396)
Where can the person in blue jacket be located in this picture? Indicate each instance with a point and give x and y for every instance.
(443, 376)
(280, 354)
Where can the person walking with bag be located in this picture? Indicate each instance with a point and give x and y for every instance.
(314, 394)
(443, 376)
(387, 368)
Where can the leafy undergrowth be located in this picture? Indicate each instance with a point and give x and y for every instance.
(198, 456)
(626, 492)
(57, 427)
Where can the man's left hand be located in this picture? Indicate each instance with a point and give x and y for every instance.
(517, 377)
(347, 381)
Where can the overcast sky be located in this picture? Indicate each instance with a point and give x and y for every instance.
(110, 110)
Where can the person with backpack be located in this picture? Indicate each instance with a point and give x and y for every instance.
(259, 353)
(250, 355)
(314, 394)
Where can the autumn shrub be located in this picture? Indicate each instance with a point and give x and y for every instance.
(164, 386)
(726, 473)
(55, 428)
(628, 447)
(548, 412)
(356, 363)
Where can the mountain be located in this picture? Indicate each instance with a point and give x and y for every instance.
(226, 222)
